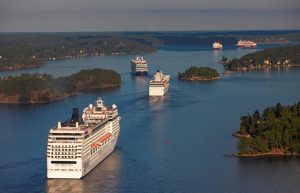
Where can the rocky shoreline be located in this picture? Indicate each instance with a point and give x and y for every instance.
(244, 69)
(267, 154)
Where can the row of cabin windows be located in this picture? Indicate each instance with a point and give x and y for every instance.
(70, 134)
(65, 146)
(64, 157)
(71, 170)
(65, 150)
(63, 153)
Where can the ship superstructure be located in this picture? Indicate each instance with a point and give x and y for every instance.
(139, 66)
(159, 85)
(217, 46)
(79, 144)
(246, 44)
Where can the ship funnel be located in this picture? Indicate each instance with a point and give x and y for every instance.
(75, 116)
(59, 125)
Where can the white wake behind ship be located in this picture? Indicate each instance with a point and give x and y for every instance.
(159, 85)
(139, 66)
(78, 145)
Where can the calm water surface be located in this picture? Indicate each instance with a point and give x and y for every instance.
(177, 143)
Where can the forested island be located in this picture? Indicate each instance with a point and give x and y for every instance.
(274, 132)
(27, 50)
(199, 73)
(43, 88)
(285, 56)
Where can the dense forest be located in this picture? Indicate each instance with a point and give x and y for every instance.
(272, 57)
(275, 130)
(225, 37)
(199, 73)
(93, 79)
(26, 50)
(31, 50)
(43, 88)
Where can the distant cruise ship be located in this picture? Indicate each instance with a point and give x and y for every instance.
(159, 85)
(217, 46)
(246, 44)
(78, 145)
(139, 66)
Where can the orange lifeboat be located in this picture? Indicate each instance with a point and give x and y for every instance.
(105, 137)
(101, 140)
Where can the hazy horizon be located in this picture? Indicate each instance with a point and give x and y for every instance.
(154, 31)
(142, 15)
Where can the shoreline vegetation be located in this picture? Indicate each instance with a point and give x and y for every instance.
(280, 57)
(199, 74)
(275, 132)
(43, 88)
(274, 153)
(32, 50)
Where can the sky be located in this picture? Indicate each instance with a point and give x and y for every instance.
(147, 15)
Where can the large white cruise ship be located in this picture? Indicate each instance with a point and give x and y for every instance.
(217, 46)
(246, 44)
(78, 145)
(139, 66)
(159, 85)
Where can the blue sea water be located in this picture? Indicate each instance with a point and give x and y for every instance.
(177, 143)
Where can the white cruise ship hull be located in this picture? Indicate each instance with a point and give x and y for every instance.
(101, 155)
(75, 149)
(83, 165)
(139, 71)
(158, 90)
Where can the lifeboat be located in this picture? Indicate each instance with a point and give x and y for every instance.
(101, 140)
(105, 137)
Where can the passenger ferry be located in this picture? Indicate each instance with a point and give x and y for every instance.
(139, 66)
(217, 46)
(246, 44)
(159, 85)
(79, 144)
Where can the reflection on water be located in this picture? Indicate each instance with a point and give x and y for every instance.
(269, 168)
(64, 185)
(217, 53)
(104, 178)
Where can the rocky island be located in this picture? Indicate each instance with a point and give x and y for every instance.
(43, 88)
(199, 74)
(275, 132)
(285, 56)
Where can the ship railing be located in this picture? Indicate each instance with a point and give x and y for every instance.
(64, 141)
(113, 115)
